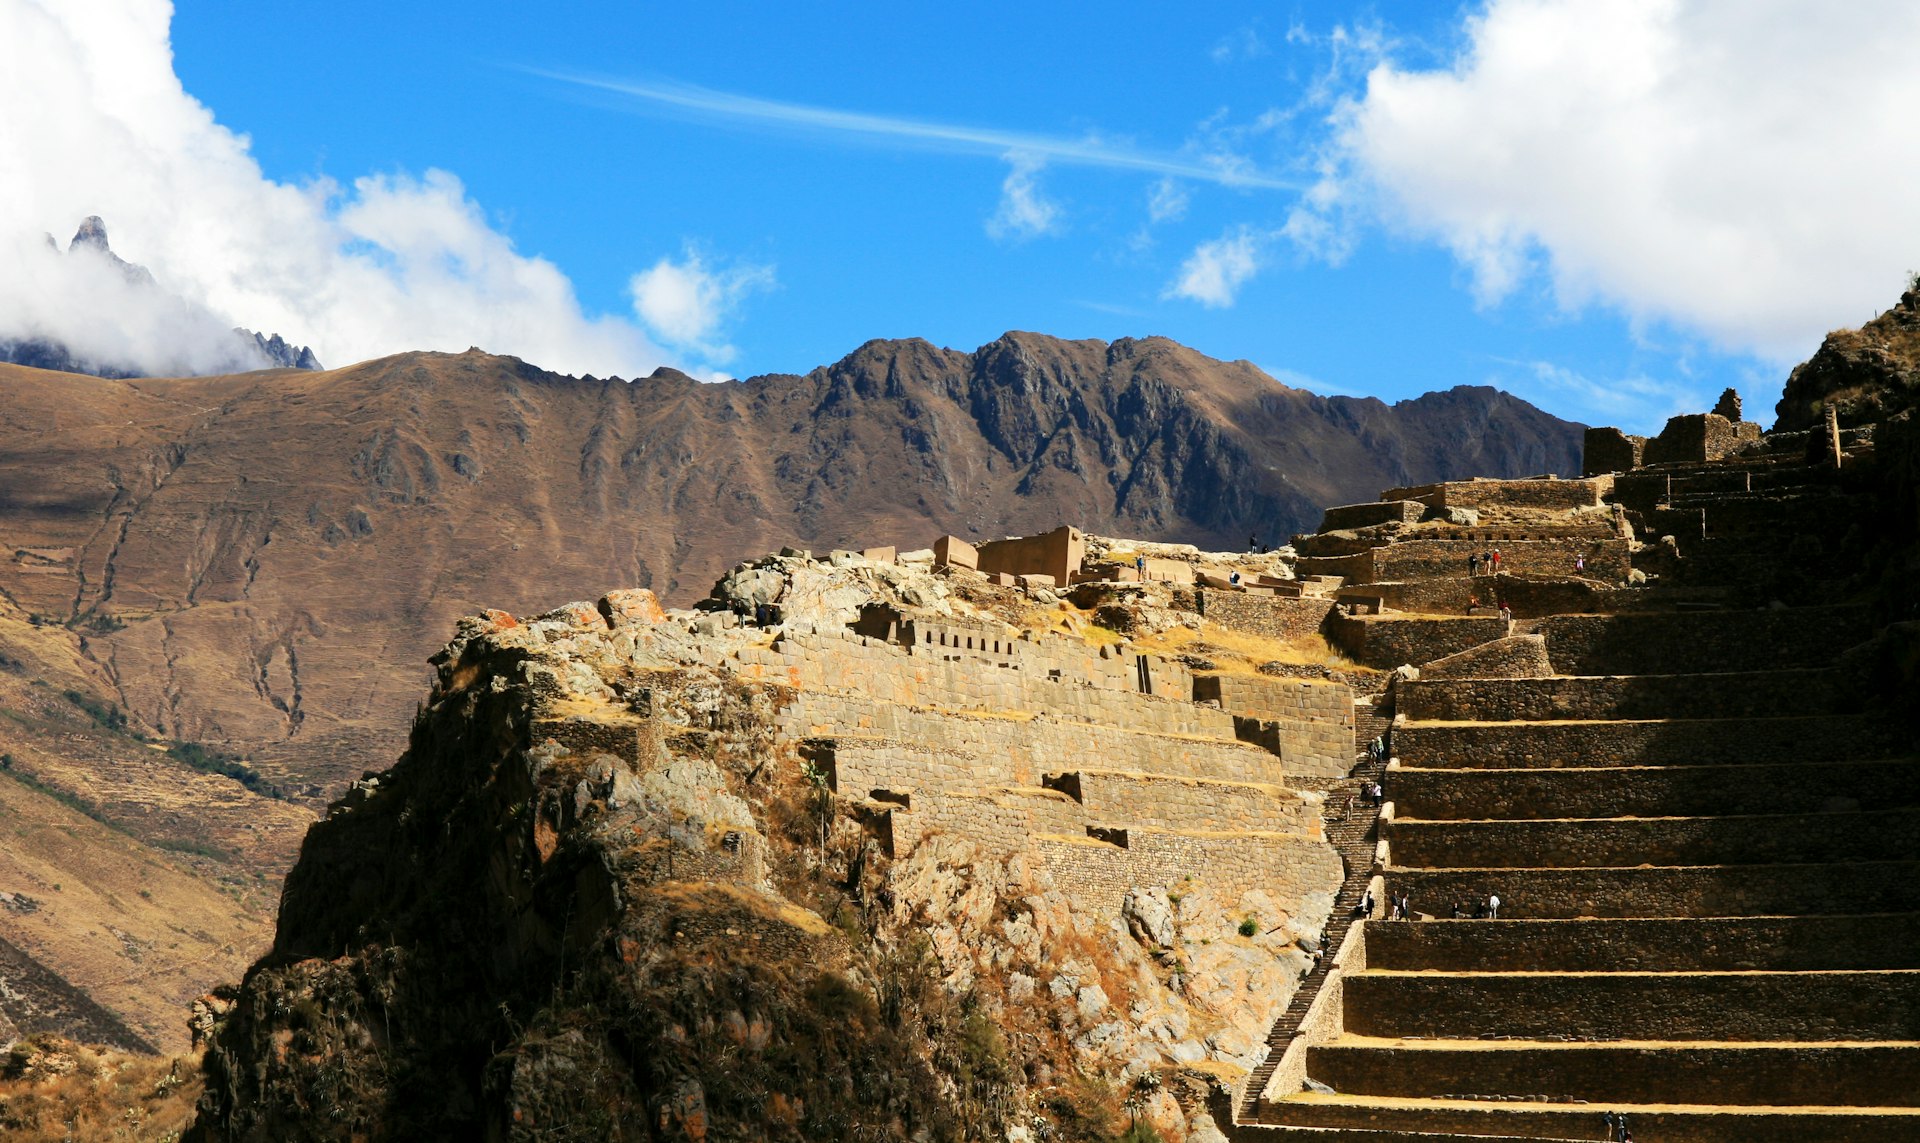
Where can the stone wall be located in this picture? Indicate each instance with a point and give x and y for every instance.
(1610, 450)
(1058, 553)
(1266, 615)
(1528, 596)
(1288, 868)
(1701, 641)
(1555, 495)
(1607, 559)
(961, 750)
(1163, 801)
(1698, 437)
(1367, 515)
(1388, 641)
(1315, 717)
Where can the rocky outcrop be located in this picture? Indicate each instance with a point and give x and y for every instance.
(1868, 374)
(636, 878)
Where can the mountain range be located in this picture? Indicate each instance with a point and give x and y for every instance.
(265, 560)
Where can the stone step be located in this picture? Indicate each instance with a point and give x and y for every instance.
(1654, 791)
(1648, 742)
(1721, 1006)
(1701, 641)
(1651, 1123)
(1647, 944)
(1852, 1074)
(1751, 694)
(1672, 891)
(1868, 835)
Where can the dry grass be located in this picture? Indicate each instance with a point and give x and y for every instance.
(1239, 653)
(54, 1089)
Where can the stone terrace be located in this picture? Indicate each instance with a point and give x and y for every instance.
(1707, 856)
(1097, 760)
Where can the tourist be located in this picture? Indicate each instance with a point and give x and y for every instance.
(1473, 563)
(1140, 567)
(1234, 579)
(1506, 613)
(1496, 561)
(1253, 542)
(1580, 565)
(1457, 912)
(1493, 907)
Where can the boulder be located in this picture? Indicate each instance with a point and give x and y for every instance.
(1149, 917)
(631, 605)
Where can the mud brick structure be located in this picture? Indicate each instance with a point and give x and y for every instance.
(1703, 828)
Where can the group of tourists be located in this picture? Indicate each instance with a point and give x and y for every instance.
(1617, 1131)
(1488, 909)
(1484, 563)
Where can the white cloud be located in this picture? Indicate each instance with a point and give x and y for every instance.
(1167, 201)
(1745, 171)
(1241, 44)
(1293, 378)
(1216, 269)
(98, 123)
(684, 303)
(1633, 401)
(690, 101)
(1024, 211)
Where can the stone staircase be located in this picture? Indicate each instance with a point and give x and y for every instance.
(1353, 832)
(1710, 887)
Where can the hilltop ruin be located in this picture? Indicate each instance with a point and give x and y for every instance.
(993, 840)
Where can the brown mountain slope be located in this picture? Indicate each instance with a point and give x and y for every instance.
(264, 560)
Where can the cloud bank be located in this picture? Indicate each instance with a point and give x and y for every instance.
(101, 125)
(1743, 171)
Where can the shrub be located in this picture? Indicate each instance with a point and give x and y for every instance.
(1249, 927)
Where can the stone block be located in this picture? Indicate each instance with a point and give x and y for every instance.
(952, 551)
(629, 605)
(886, 555)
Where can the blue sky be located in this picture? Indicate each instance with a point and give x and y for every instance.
(1376, 199)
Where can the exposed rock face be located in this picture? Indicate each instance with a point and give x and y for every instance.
(1869, 373)
(284, 549)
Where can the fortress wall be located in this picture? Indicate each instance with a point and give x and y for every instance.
(1755, 695)
(1631, 644)
(1387, 641)
(883, 674)
(1161, 801)
(1269, 616)
(1019, 751)
(1002, 822)
(1286, 867)
(1315, 718)
(857, 769)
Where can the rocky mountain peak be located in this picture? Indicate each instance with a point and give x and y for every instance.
(91, 235)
